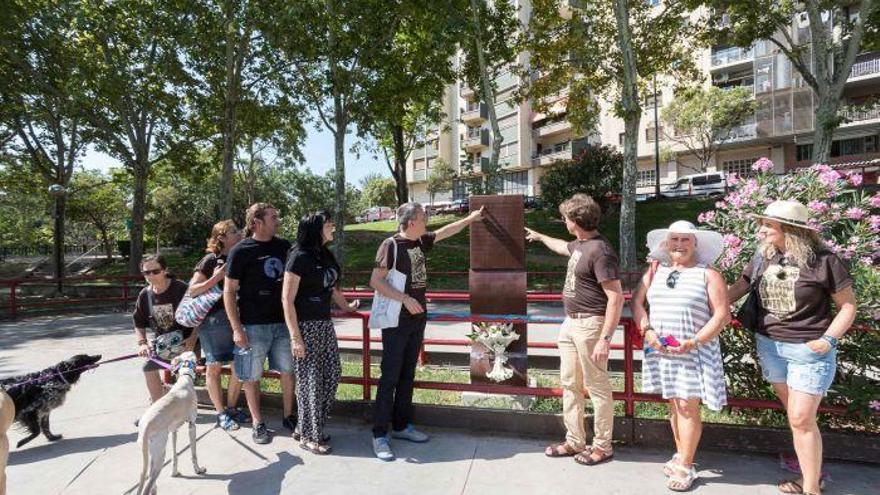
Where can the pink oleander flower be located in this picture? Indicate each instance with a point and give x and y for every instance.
(832, 246)
(720, 205)
(866, 260)
(815, 224)
(731, 241)
(875, 201)
(846, 253)
(706, 217)
(732, 179)
(829, 178)
(763, 164)
(874, 220)
(874, 404)
(855, 213)
(818, 206)
(854, 178)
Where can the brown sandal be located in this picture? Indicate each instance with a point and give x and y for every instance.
(562, 449)
(794, 486)
(593, 456)
(316, 448)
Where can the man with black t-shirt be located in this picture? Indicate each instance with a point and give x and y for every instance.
(252, 297)
(401, 344)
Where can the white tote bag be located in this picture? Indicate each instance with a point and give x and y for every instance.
(385, 312)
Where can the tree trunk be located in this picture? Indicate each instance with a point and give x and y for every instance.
(339, 152)
(489, 97)
(826, 121)
(58, 241)
(399, 172)
(229, 112)
(138, 209)
(631, 116)
(105, 243)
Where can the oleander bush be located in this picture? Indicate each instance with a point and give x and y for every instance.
(847, 217)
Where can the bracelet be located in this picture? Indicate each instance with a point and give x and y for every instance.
(832, 341)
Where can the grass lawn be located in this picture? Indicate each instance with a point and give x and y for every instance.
(453, 254)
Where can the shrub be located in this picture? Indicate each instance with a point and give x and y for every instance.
(595, 171)
(850, 225)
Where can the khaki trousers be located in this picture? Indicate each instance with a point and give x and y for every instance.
(577, 370)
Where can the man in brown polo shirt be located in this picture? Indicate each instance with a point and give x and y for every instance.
(593, 301)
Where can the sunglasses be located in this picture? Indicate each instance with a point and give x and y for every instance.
(152, 272)
(672, 279)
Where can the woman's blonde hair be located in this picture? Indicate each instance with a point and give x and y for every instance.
(801, 245)
(221, 228)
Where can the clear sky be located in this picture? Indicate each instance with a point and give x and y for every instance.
(317, 150)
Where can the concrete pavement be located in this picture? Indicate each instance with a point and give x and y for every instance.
(99, 455)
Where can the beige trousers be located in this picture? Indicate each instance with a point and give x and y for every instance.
(577, 370)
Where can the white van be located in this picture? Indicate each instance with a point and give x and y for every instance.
(707, 184)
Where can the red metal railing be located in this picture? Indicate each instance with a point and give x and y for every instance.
(631, 342)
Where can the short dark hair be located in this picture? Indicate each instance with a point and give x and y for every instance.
(255, 211)
(158, 258)
(582, 210)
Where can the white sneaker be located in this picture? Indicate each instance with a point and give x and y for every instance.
(411, 434)
(382, 449)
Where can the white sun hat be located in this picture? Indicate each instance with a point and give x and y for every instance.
(788, 212)
(709, 243)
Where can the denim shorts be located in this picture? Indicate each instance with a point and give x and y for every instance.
(270, 340)
(796, 365)
(215, 335)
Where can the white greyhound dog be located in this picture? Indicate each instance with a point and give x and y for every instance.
(7, 416)
(166, 415)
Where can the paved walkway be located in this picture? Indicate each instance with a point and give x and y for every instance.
(99, 455)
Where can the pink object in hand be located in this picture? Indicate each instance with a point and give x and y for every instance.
(671, 341)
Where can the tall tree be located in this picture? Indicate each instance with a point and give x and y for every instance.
(330, 47)
(704, 119)
(441, 178)
(137, 84)
(98, 201)
(40, 98)
(607, 49)
(242, 95)
(824, 56)
(488, 54)
(405, 96)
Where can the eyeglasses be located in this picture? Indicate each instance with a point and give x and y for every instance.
(152, 272)
(672, 279)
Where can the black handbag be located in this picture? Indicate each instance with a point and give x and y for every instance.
(749, 313)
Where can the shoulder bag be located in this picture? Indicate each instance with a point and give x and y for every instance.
(385, 312)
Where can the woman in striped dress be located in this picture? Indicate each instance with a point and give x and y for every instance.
(688, 309)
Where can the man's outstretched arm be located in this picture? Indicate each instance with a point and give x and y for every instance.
(558, 246)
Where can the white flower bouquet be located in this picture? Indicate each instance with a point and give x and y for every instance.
(496, 337)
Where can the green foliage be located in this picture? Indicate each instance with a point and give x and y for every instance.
(378, 191)
(849, 221)
(441, 177)
(702, 118)
(24, 208)
(596, 172)
(98, 202)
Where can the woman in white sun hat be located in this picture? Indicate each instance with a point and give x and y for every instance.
(688, 308)
(795, 280)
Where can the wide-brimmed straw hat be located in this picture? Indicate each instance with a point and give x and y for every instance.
(709, 243)
(788, 212)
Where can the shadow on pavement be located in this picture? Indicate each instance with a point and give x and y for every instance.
(68, 446)
(267, 479)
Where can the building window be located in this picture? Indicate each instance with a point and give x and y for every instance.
(804, 152)
(516, 183)
(649, 133)
(742, 168)
(621, 137)
(649, 101)
(419, 165)
(459, 190)
(645, 178)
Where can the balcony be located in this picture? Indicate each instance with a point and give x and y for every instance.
(552, 129)
(420, 175)
(467, 92)
(865, 66)
(743, 133)
(475, 114)
(750, 88)
(475, 141)
(549, 157)
(859, 115)
(733, 55)
(475, 166)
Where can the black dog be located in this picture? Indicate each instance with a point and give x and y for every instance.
(36, 394)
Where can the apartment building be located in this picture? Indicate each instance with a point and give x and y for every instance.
(781, 128)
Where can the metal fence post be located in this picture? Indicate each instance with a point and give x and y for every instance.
(628, 381)
(365, 328)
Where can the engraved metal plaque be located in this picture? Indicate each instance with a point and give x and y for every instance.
(498, 241)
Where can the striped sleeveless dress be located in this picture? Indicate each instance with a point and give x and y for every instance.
(682, 311)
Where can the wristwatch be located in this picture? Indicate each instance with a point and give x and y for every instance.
(832, 341)
(607, 338)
